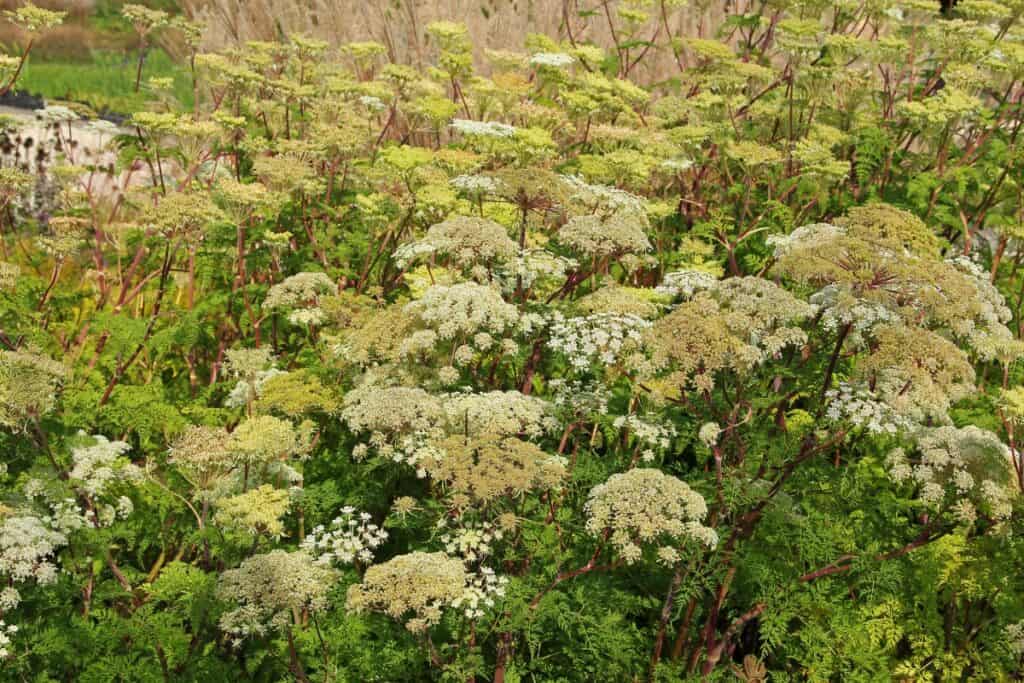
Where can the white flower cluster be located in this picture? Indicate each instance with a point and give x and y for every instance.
(855, 404)
(677, 165)
(6, 632)
(840, 307)
(413, 588)
(9, 273)
(244, 362)
(646, 505)
(1000, 311)
(419, 587)
(1014, 634)
(304, 317)
(95, 468)
(448, 375)
(103, 127)
(554, 60)
(759, 310)
(987, 331)
(685, 283)
(530, 266)
(580, 398)
(605, 221)
(655, 436)
(27, 546)
(372, 103)
(464, 309)
(482, 588)
(352, 537)
(466, 240)
(969, 467)
(270, 590)
(602, 337)
(498, 413)
(597, 236)
(709, 433)
(10, 598)
(400, 420)
(105, 514)
(805, 235)
(243, 391)
(476, 185)
(605, 200)
(301, 294)
(409, 252)
(488, 129)
(66, 515)
(472, 542)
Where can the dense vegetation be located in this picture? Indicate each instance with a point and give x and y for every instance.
(345, 370)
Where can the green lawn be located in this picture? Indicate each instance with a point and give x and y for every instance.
(106, 83)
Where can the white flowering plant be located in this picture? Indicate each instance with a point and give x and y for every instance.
(669, 341)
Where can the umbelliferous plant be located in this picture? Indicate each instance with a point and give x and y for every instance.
(528, 364)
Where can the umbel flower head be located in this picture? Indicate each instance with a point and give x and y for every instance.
(416, 588)
(487, 467)
(351, 538)
(399, 419)
(143, 18)
(466, 240)
(685, 283)
(9, 273)
(482, 129)
(605, 202)
(242, 200)
(693, 343)
(28, 386)
(761, 312)
(855, 405)
(98, 466)
(601, 338)
(729, 325)
(498, 413)
(1012, 403)
(881, 257)
(248, 363)
(300, 290)
(966, 469)
(269, 589)
(201, 455)
(183, 214)
(293, 394)
(27, 547)
(7, 631)
(647, 506)
(34, 20)
(464, 309)
(619, 300)
(917, 372)
(596, 236)
(552, 60)
(256, 511)
(265, 440)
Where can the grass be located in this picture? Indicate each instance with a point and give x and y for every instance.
(106, 83)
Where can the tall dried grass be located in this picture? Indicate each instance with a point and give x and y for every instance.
(400, 24)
